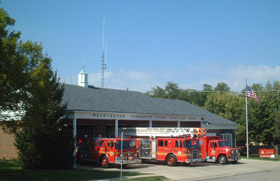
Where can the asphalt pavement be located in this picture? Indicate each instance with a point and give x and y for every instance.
(246, 169)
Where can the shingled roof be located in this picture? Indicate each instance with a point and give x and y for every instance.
(121, 101)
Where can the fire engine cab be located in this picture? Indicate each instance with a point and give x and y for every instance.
(108, 151)
(171, 145)
(213, 149)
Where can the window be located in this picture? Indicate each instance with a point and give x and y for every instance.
(223, 144)
(118, 145)
(187, 143)
(132, 144)
(160, 142)
(110, 144)
(166, 143)
(228, 137)
(178, 144)
(213, 144)
(191, 144)
(101, 143)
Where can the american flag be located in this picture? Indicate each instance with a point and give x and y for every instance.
(251, 93)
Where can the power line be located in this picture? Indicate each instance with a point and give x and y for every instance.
(198, 91)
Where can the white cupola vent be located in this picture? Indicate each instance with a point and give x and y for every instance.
(83, 79)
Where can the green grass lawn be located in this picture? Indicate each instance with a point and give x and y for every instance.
(9, 170)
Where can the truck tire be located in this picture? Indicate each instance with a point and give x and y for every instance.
(171, 160)
(104, 162)
(222, 159)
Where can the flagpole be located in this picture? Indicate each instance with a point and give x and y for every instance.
(246, 101)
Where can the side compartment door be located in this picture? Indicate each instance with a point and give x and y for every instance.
(154, 149)
(160, 149)
(145, 148)
(203, 146)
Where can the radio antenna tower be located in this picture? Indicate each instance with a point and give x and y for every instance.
(104, 65)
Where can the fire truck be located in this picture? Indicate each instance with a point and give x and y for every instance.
(108, 151)
(171, 145)
(213, 149)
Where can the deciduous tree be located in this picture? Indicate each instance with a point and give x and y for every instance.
(31, 92)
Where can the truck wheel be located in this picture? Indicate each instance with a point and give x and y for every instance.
(104, 162)
(222, 159)
(171, 160)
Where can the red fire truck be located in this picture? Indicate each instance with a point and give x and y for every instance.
(171, 145)
(108, 151)
(213, 149)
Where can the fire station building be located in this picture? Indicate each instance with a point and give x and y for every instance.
(97, 112)
(101, 112)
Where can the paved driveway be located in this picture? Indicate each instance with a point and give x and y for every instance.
(267, 170)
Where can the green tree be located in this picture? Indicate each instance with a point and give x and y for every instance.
(13, 73)
(257, 87)
(30, 88)
(231, 106)
(45, 142)
(18, 60)
(223, 87)
(193, 96)
(157, 92)
(172, 90)
(276, 117)
(264, 116)
(226, 105)
(207, 87)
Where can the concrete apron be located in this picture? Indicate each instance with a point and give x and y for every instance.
(201, 171)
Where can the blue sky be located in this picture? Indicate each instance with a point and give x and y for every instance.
(151, 42)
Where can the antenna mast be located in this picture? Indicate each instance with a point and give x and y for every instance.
(104, 65)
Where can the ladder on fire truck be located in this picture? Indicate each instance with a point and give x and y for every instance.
(163, 132)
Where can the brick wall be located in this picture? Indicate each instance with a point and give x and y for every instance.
(7, 147)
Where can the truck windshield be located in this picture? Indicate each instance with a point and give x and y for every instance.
(126, 145)
(223, 143)
(191, 144)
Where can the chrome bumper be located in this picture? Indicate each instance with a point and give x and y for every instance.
(193, 160)
(127, 162)
(232, 159)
